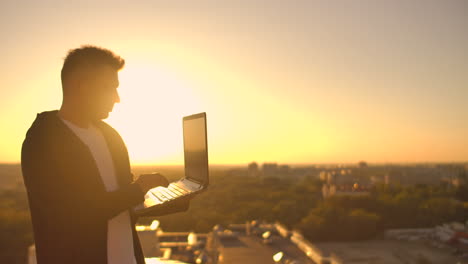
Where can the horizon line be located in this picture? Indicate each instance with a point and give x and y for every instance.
(289, 164)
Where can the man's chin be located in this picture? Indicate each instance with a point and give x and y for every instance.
(101, 116)
(105, 115)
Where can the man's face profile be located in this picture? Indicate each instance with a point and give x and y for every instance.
(101, 92)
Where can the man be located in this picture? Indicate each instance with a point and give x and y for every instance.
(77, 173)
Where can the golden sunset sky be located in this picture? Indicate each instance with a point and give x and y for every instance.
(285, 81)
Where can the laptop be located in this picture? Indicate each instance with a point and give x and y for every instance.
(196, 165)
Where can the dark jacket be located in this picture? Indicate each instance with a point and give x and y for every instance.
(70, 207)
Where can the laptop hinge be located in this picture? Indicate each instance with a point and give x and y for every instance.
(195, 181)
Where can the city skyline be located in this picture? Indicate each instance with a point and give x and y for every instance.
(304, 82)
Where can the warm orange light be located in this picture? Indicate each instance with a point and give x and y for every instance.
(149, 116)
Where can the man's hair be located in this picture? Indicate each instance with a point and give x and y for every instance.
(89, 58)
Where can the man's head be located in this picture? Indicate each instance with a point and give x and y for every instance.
(90, 81)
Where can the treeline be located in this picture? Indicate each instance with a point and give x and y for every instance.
(236, 199)
(15, 226)
(298, 204)
(364, 217)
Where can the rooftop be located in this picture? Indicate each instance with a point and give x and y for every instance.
(386, 252)
(251, 249)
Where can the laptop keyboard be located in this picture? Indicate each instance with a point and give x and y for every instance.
(170, 193)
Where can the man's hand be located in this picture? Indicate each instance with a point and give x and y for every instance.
(149, 181)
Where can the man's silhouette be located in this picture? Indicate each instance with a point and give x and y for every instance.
(77, 173)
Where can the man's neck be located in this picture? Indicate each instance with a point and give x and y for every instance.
(74, 117)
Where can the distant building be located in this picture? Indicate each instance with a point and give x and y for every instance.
(255, 243)
(252, 169)
(323, 175)
(362, 164)
(258, 242)
(340, 177)
(329, 190)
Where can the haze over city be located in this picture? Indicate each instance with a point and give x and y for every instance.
(291, 82)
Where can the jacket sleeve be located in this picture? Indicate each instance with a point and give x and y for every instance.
(49, 187)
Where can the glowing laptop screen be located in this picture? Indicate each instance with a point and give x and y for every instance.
(195, 148)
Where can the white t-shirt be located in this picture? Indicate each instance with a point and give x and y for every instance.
(119, 229)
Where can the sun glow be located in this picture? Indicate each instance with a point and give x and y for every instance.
(149, 117)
